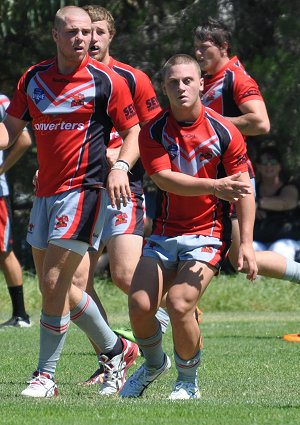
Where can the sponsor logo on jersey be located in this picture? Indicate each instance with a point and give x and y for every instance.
(251, 92)
(60, 80)
(61, 221)
(173, 151)
(152, 103)
(58, 125)
(242, 159)
(129, 111)
(78, 100)
(121, 218)
(38, 95)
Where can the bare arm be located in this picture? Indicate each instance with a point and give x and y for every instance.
(10, 129)
(117, 182)
(285, 201)
(230, 188)
(245, 209)
(16, 152)
(254, 120)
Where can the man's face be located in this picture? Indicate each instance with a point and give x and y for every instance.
(208, 55)
(73, 37)
(101, 39)
(183, 85)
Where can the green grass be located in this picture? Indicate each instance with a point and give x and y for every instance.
(249, 375)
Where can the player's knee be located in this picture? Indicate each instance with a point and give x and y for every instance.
(122, 279)
(140, 308)
(178, 308)
(80, 279)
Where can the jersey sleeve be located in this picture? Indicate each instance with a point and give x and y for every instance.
(245, 88)
(121, 106)
(153, 155)
(145, 99)
(18, 106)
(235, 157)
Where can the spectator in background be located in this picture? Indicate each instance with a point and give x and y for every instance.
(277, 224)
(8, 261)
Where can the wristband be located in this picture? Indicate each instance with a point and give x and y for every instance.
(120, 165)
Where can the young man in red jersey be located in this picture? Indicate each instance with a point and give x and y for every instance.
(230, 91)
(185, 149)
(73, 102)
(124, 228)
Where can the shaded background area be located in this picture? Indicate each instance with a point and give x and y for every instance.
(266, 37)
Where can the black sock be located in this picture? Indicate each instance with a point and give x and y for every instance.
(118, 348)
(17, 299)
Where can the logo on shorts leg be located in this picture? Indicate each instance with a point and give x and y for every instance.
(30, 227)
(208, 249)
(152, 244)
(121, 218)
(61, 221)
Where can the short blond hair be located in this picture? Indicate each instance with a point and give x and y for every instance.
(99, 13)
(179, 59)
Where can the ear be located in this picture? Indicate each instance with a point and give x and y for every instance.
(224, 49)
(201, 84)
(54, 34)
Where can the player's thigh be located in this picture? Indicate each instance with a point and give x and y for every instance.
(80, 277)
(192, 279)
(124, 253)
(147, 284)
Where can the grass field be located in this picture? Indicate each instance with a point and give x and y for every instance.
(249, 375)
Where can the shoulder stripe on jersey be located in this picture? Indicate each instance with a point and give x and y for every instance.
(222, 132)
(129, 76)
(156, 129)
(229, 107)
(31, 74)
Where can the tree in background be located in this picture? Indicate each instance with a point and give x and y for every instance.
(266, 37)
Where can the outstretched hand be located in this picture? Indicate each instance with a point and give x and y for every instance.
(247, 261)
(232, 188)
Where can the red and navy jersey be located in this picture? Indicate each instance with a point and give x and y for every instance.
(230, 87)
(146, 106)
(211, 147)
(226, 90)
(72, 117)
